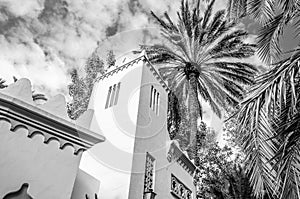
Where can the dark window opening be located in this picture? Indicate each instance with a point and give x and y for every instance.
(113, 95)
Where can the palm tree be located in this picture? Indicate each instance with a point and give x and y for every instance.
(269, 116)
(269, 128)
(201, 60)
(274, 16)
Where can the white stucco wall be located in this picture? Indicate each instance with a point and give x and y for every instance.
(152, 137)
(111, 161)
(85, 184)
(131, 129)
(49, 171)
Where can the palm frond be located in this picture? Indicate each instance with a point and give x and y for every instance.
(268, 39)
(207, 14)
(255, 132)
(274, 99)
(263, 10)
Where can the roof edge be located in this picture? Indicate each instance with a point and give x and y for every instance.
(36, 120)
(143, 58)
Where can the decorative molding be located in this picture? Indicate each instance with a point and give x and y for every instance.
(157, 75)
(135, 61)
(179, 190)
(37, 121)
(121, 68)
(149, 173)
(175, 154)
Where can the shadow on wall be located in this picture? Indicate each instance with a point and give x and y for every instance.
(20, 194)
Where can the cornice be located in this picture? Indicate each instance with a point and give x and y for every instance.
(176, 154)
(37, 121)
(135, 61)
(157, 75)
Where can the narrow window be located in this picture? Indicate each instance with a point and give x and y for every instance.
(157, 103)
(154, 100)
(112, 96)
(117, 93)
(108, 97)
(151, 96)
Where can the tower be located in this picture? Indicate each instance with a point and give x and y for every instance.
(138, 159)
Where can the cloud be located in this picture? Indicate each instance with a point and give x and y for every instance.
(26, 8)
(50, 36)
(44, 39)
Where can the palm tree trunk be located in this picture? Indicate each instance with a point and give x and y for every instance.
(194, 114)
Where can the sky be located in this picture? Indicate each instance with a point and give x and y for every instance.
(43, 40)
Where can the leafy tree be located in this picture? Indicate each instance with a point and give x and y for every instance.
(202, 60)
(222, 176)
(81, 88)
(111, 59)
(231, 128)
(202, 142)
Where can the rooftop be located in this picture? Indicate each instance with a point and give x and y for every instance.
(142, 57)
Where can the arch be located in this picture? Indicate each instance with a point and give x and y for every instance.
(51, 139)
(34, 133)
(5, 119)
(15, 126)
(67, 144)
(79, 151)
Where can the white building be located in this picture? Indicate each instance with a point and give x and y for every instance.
(138, 159)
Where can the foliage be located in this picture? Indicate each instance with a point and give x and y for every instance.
(81, 88)
(269, 130)
(222, 176)
(231, 128)
(173, 116)
(220, 171)
(111, 59)
(269, 116)
(201, 60)
(178, 127)
(275, 16)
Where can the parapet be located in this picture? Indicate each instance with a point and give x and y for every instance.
(49, 119)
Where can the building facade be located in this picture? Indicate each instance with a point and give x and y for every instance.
(129, 152)
(138, 160)
(40, 147)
